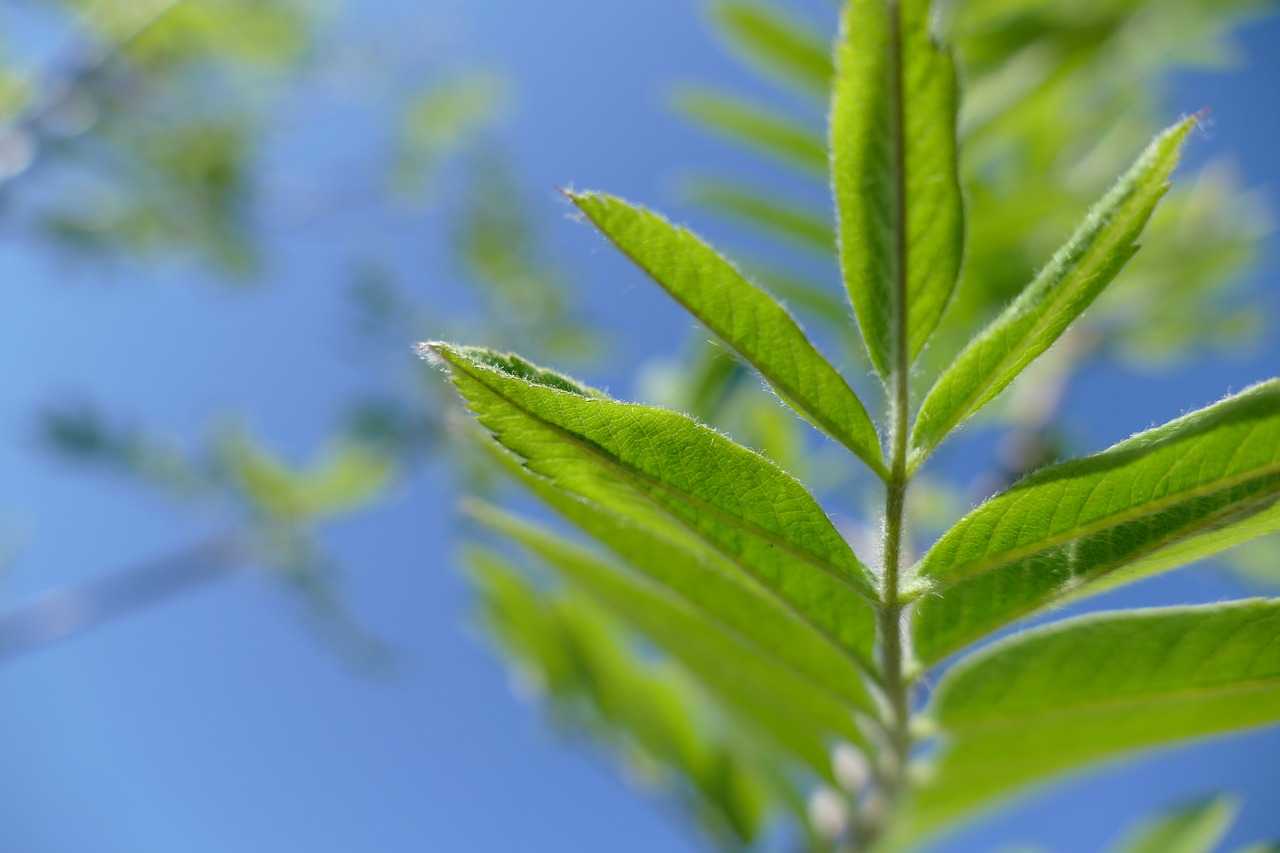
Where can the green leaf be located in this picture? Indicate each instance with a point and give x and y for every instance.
(1192, 487)
(666, 471)
(771, 40)
(788, 220)
(894, 170)
(797, 714)
(344, 479)
(755, 126)
(1199, 828)
(687, 568)
(1093, 688)
(1078, 272)
(648, 710)
(745, 317)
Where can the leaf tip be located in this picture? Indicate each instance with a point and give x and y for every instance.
(432, 352)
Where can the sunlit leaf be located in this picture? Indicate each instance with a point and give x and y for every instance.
(894, 172)
(745, 317)
(795, 712)
(1184, 490)
(662, 468)
(1093, 688)
(1075, 276)
(703, 580)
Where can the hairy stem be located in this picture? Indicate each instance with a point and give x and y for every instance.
(893, 763)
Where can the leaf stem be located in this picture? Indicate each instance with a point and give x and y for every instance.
(893, 763)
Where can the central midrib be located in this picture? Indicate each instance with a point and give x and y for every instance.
(1144, 510)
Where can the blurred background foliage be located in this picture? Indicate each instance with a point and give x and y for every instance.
(142, 135)
(137, 136)
(1059, 98)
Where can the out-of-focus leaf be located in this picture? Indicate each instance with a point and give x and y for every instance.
(792, 710)
(745, 317)
(773, 41)
(1189, 488)
(161, 34)
(703, 580)
(502, 252)
(345, 477)
(664, 470)
(895, 175)
(755, 127)
(1092, 688)
(1089, 261)
(441, 122)
(1256, 563)
(85, 436)
(1197, 828)
(645, 709)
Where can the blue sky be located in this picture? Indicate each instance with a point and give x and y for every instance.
(218, 721)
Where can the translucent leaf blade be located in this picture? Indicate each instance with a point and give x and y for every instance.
(1093, 688)
(745, 317)
(799, 715)
(894, 171)
(668, 470)
(1187, 489)
(692, 572)
(1078, 272)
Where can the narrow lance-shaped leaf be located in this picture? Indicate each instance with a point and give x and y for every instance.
(894, 172)
(756, 127)
(795, 712)
(1184, 490)
(690, 570)
(745, 317)
(1093, 688)
(1198, 828)
(663, 469)
(773, 41)
(1078, 272)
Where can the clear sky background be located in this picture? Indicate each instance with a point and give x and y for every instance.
(219, 721)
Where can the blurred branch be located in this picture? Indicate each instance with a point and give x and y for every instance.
(63, 612)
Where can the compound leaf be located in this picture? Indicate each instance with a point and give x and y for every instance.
(1187, 489)
(1078, 272)
(894, 170)
(665, 470)
(745, 317)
